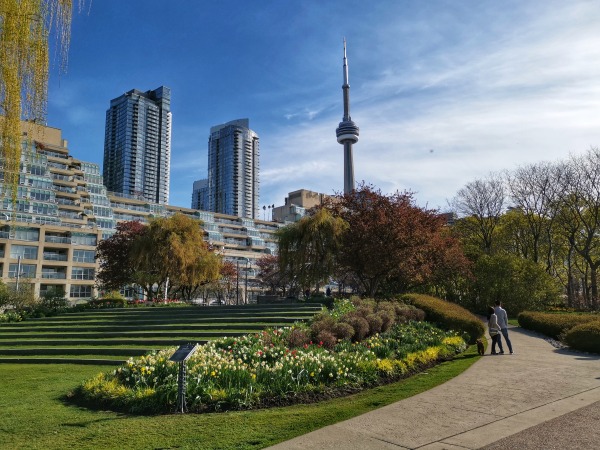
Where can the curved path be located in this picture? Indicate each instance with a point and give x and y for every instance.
(540, 397)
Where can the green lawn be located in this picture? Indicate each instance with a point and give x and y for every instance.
(34, 415)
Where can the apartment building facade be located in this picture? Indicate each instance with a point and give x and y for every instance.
(48, 237)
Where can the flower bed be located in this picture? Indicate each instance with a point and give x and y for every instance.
(262, 369)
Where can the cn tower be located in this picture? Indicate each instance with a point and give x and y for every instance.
(347, 132)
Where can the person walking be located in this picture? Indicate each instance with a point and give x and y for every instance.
(503, 323)
(494, 330)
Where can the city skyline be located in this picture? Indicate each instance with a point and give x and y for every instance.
(444, 92)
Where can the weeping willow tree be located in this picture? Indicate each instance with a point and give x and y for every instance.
(25, 30)
(173, 251)
(308, 248)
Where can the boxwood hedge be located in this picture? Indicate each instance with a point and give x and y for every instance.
(553, 324)
(585, 337)
(448, 315)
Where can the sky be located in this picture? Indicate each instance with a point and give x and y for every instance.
(444, 92)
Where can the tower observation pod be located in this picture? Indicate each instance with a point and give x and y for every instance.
(347, 132)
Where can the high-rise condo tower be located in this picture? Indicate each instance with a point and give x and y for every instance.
(347, 132)
(137, 145)
(233, 169)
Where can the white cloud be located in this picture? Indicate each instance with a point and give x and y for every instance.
(532, 95)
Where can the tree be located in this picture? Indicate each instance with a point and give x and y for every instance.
(116, 266)
(388, 239)
(4, 295)
(170, 249)
(450, 267)
(534, 190)
(580, 213)
(25, 28)
(518, 283)
(307, 248)
(173, 249)
(271, 276)
(482, 201)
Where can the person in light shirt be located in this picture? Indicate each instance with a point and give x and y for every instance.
(503, 323)
(494, 330)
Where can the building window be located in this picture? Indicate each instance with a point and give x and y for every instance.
(27, 270)
(82, 273)
(84, 256)
(84, 239)
(27, 234)
(80, 291)
(24, 251)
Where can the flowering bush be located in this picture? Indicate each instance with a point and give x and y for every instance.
(261, 369)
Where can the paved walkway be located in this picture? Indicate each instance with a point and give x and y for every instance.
(540, 397)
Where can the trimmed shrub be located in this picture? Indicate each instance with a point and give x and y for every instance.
(359, 324)
(343, 330)
(406, 313)
(327, 339)
(553, 324)
(298, 337)
(388, 318)
(322, 323)
(375, 323)
(585, 337)
(107, 302)
(365, 309)
(448, 315)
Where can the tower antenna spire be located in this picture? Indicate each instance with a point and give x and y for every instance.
(347, 131)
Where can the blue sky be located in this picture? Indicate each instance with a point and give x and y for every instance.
(444, 92)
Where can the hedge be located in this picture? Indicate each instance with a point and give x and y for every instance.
(107, 302)
(448, 315)
(585, 337)
(553, 324)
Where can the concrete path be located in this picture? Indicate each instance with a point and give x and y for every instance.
(540, 397)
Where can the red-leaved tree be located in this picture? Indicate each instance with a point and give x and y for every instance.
(116, 268)
(392, 242)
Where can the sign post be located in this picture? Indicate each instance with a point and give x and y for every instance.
(181, 355)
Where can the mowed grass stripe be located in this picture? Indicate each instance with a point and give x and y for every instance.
(133, 331)
(147, 312)
(74, 351)
(105, 342)
(91, 361)
(136, 327)
(133, 334)
(74, 317)
(120, 322)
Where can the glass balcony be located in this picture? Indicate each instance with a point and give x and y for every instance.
(55, 256)
(58, 239)
(54, 275)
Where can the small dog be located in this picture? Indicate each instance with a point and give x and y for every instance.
(480, 347)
